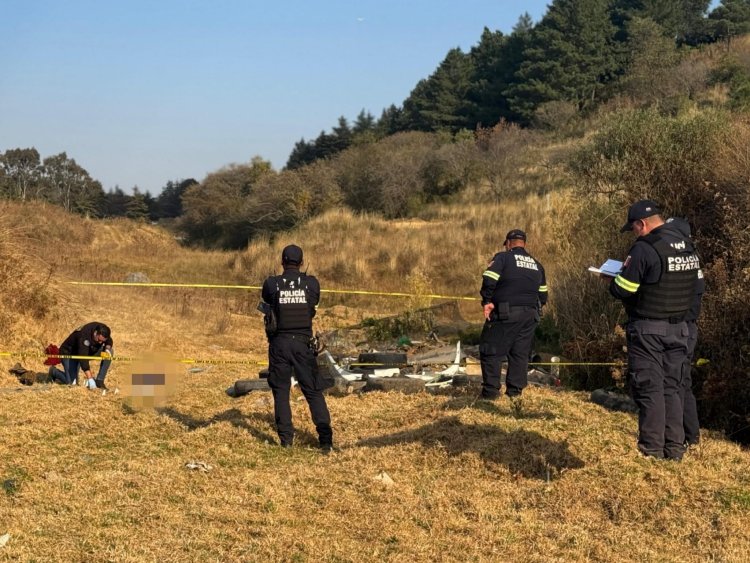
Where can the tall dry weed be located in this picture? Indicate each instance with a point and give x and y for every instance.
(25, 280)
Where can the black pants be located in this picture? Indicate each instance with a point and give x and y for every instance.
(690, 407)
(511, 338)
(657, 354)
(287, 355)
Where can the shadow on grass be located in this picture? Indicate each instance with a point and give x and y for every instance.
(526, 453)
(239, 420)
(501, 406)
(233, 416)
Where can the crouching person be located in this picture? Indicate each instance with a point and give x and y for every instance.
(92, 339)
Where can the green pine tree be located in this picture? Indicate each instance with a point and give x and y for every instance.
(440, 102)
(571, 54)
(730, 19)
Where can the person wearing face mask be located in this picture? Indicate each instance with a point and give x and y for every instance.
(657, 285)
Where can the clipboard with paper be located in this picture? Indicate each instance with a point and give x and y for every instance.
(610, 268)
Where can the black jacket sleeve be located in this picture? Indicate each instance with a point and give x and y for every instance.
(313, 292)
(491, 276)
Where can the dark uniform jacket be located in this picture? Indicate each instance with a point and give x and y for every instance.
(659, 279)
(294, 297)
(81, 343)
(516, 278)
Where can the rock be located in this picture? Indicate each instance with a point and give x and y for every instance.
(4, 539)
(613, 401)
(541, 377)
(343, 387)
(137, 277)
(462, 380)
(244, 386)
(384, 478)
(198, 466)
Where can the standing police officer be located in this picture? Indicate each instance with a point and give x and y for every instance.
(293, 297)
(514, 289)
(689, 405)
(657, 286)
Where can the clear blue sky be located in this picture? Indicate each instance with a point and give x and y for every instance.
(140, 93)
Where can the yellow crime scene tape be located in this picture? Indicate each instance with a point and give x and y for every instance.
(220, 286)
(700, 362)
(265, 362)
(130, 359)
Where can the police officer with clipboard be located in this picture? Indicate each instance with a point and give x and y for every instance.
(657, 285)
(292, 298)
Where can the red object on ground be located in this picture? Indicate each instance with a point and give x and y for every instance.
(54, 350)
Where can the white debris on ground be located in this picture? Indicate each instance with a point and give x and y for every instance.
(198, 466)
(384, 478)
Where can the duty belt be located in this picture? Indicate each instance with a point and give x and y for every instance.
(670, 320)
(293, 336)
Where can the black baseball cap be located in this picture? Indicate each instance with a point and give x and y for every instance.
(515, 234)
(640, 210)
(291, 254)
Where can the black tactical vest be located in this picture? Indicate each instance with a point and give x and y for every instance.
(292, 304)
(519, 281)
(670, 297)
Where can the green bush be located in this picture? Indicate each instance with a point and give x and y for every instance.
(696, 166)
(409, 323)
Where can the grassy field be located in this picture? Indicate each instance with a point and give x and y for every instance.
(84, 477)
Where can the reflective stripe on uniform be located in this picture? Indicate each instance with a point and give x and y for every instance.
(492, 275)
(628, 286)
(543, 288)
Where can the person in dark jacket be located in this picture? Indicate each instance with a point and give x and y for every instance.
(657, 286)
(293, 297)
(514, 288)
(91, 339)
(689, 404)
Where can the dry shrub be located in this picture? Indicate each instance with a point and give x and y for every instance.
(25, 280)
(723, 238)
(555, 115)
(697, 166)
(582, 307)
(387, 177)
(639, 154)
(506, 158)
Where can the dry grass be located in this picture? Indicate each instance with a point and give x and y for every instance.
(84, 478)
(443, 252)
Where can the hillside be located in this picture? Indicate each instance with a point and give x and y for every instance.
(84, 477)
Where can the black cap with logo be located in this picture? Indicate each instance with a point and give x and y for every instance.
(515, 234)
(640, 210)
